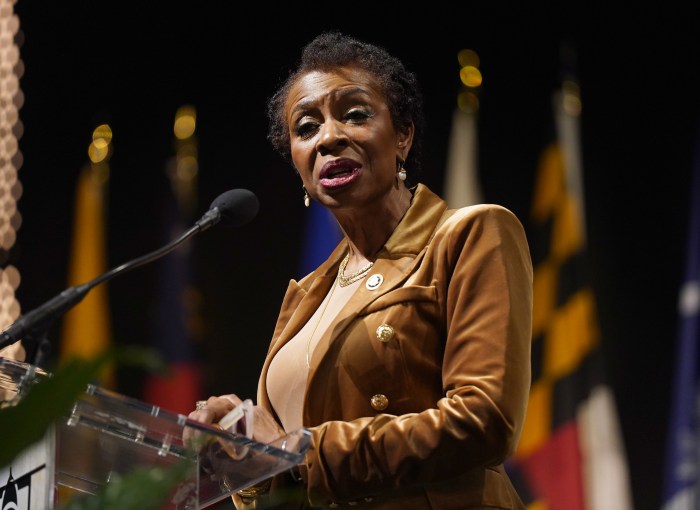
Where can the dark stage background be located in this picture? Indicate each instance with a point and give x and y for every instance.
(132, 64)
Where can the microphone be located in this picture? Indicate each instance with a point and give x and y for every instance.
(233, 208)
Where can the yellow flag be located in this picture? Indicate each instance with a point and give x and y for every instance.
(86, 327)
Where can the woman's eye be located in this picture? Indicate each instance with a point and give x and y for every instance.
(357, 114)
(305, 129)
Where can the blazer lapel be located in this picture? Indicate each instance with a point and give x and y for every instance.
(395, 262)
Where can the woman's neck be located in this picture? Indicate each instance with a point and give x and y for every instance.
(369, 229)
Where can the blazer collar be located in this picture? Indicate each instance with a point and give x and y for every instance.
(411, 235)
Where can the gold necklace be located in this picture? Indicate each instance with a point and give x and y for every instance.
(311, 336)
(345, 280)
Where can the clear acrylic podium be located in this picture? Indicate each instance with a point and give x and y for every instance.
(107, 435)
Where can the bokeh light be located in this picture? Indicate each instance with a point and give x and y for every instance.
(470, 76)
(471, 80)
(11, 130)
(468, 57)
(185, 122)
(99, 149)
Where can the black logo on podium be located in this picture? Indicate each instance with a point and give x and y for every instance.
(15, 494)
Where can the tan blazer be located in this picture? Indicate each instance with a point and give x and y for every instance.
(418, 391)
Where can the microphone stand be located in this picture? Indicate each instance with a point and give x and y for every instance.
(32, 328)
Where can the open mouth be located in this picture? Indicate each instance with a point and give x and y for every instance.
(339, 173)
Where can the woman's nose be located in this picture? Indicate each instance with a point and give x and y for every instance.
(332, 135)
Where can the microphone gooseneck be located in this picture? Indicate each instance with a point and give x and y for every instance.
(235, 208)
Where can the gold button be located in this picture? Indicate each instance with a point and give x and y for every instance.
(385, 333)
(379, 402)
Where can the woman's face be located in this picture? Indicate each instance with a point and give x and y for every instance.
(343, 142)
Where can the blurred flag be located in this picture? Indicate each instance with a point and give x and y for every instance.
(176, 322)
(571, 454)
(682, 479)
(462, 186)
(320, 236)
(86, 327)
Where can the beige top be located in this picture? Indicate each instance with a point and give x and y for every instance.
(289, 369)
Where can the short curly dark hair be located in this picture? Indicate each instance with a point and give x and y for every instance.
(331, 50)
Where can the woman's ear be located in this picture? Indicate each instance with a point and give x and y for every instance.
(405, 140)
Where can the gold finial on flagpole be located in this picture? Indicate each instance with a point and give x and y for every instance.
(183, 169)
(471, 79)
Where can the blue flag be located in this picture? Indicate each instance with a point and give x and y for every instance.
(683, 446)
(321, 235)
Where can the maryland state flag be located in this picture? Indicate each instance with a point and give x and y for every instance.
(570, 455)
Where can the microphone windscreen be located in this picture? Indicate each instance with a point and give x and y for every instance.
(237, 207)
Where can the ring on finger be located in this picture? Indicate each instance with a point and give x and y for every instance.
(201, 404)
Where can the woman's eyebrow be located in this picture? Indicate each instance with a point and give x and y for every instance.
(339, 94)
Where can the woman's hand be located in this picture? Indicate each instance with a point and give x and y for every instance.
(209, 412)
(215, 408)
(265, 430)
(266, 427)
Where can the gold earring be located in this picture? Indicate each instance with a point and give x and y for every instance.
(307, 198)
(401, 172)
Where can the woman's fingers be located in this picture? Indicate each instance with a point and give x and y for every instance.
(214, 409)
(266, 427)
(233, 399)
(210, 411)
